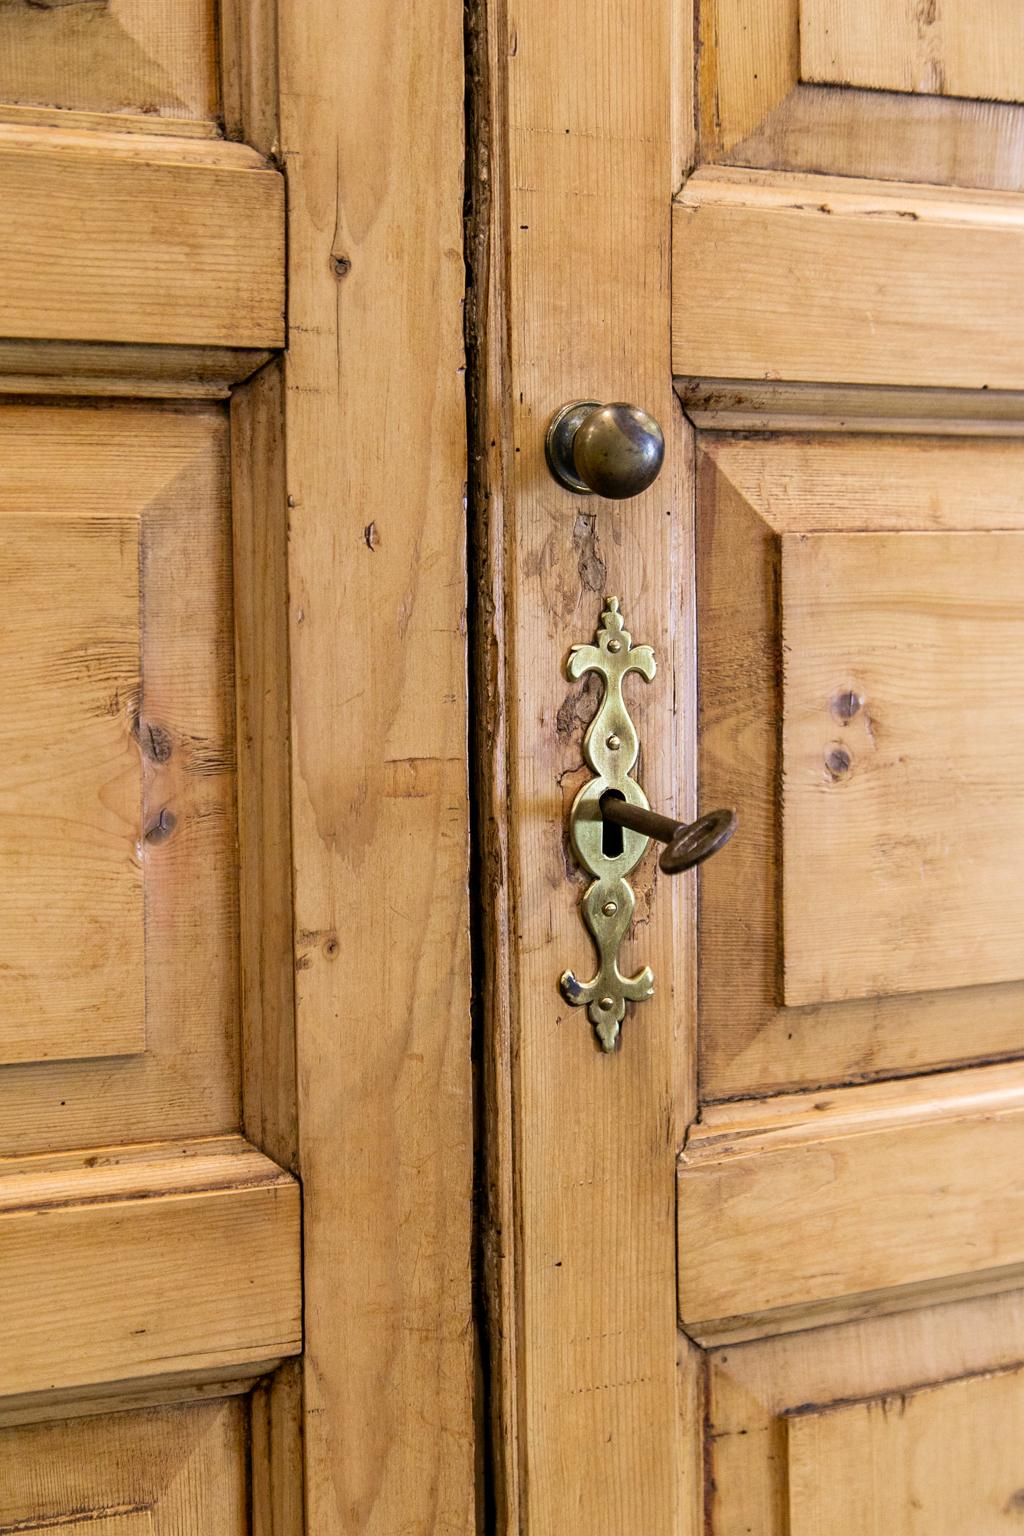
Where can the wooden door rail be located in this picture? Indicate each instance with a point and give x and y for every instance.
(125, 1263)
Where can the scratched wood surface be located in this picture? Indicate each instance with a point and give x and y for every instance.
(372, 137)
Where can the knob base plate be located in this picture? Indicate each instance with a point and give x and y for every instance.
(558, 444)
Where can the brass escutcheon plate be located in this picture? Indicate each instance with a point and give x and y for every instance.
(610, 748)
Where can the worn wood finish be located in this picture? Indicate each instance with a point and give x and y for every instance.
(260, 529)
(941, 1460)
(754, 405)
(71, 920)
(754, 110)
(891, 284)
(173, 244)
(580, 181)
(71, 368)
(275, 1457)
(163, 473)
(219, 1217)
(372, 137)
(754, 495)
(830, 1203)
(923, 633)
(249, 72)
(964, 48)
(156, 1472)
(137, 57)
(756, 1391)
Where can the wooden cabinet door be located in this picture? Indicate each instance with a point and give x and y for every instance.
(229, 707)
(760, 1269)
(149, 1242)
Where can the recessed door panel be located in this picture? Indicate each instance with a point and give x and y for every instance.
(861, 651)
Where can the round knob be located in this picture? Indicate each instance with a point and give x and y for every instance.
(608, 450)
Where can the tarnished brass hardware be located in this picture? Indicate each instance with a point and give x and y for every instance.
(689, 843)
(610, 748)
(612, 450)
(611, 825)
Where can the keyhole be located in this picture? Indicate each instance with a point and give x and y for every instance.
(611, 832)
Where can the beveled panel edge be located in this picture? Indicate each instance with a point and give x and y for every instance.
(121, 1397)
(742, 1328)
(156, 371)
(775, 405)
(756, 111)
(950, 1129)
(208, 1282)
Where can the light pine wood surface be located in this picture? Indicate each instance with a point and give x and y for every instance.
(903, 659)
(806, 277)
(755, 1392)
(164, 473)
(372, 139)
(143, 58)
(755, 108)
(219, 1216)
(158, 1472)
(836, 1203)
(957, 49)
(757, 496)
(942, 1460)
(72, 980)
(573, 277)
(172, 244)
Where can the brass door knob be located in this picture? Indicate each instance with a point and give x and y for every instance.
(606, 450)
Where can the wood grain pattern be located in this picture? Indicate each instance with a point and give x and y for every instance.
(206, 1239)
(250, 85)
(71, 368)
(882, 1192)
(755, 1391)
(372, 137)
(753, 495)
(166, 472)
(156, 1472)
(166, 248)
(580, 180)
(72, 980)
(137, 57)
(260, 555)
(891, 284)
(903, 659)
(963, 48)
(755, 405)
(754, 110)
(941, 1460)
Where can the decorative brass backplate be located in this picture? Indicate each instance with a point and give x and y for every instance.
(610, 748)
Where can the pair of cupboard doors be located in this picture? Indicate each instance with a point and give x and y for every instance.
(321, 1210)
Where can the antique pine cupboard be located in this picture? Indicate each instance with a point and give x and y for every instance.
(326, 1209)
